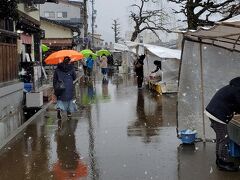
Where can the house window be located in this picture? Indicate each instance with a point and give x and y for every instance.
(62, 14)
(49, 14)
(59, 15)
(46, 14)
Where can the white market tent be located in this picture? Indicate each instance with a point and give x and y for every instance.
(163, 52)
(120, 47)
(125, 54)
(210, 59)
(170, 59)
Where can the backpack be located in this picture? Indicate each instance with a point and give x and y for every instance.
(137, 65)
(59, 86)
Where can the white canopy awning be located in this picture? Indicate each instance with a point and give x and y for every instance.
(163, 52)
(224, 34)
(159, 51)
(120, 47)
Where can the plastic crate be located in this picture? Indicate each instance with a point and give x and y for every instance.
(234, 149)
(187, 138)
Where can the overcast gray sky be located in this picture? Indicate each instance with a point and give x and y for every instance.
(107, 10)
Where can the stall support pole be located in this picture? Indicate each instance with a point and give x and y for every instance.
(202, 91)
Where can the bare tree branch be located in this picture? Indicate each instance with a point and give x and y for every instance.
(152, 20)
(228, 9)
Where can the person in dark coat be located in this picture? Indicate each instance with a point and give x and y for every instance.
(158, 65)
(220, 110)
(138, 65)
(65, 72)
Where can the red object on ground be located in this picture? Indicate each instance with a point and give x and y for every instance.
(66, 174)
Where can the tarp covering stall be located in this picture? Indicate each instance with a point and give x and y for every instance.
(169, 61)
(210, 59)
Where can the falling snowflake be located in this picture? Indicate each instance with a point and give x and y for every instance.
(211, 170)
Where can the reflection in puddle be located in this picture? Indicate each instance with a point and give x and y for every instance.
(152, 113)
(69, 165)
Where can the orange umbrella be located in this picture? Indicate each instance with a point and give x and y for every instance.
(57, 57)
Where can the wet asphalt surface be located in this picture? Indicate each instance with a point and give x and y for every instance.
(119, 133)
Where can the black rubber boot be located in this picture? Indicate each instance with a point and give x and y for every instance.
(226, 166)
(69, 114)
(59, 116)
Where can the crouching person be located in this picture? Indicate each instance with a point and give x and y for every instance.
(221, 109)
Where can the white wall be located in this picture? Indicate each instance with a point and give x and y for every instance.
(11, 98)
(34, 14)
(72, 11)
(55, 31)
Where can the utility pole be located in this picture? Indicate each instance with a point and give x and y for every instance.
(85, 23)
(116, 29)
(93, 21)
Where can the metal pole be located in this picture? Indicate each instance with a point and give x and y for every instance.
(202, 92)
(85, 20)
(93, 19)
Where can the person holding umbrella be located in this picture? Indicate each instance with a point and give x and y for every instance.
(63, 78)
(104, 65)
(90, 64)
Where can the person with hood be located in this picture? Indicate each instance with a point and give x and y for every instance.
(138, 65)
(220, 110)
(65, 75)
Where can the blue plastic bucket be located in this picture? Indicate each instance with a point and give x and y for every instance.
(28, 87)
(234, 149)
(187, 138)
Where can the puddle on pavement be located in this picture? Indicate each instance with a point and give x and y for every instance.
(118, 133)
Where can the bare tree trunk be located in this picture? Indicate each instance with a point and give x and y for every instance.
(116, 29)
(134, 35)
(192, 19)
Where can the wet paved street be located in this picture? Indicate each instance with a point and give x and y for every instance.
(119, 133)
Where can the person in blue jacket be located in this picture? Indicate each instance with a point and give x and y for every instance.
(65, 72)
(90, 64)
(220, 110)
